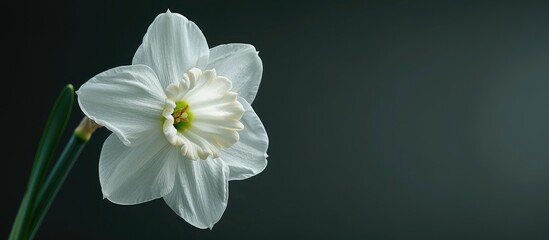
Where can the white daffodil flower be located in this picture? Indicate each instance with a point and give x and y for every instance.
(181, 119)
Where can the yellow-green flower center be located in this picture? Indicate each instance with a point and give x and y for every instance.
(182, 116)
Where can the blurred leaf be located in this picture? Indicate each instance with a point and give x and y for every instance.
(55, 126)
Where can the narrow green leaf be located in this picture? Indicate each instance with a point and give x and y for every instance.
(53, 131)
(55, 128)
(15, 230)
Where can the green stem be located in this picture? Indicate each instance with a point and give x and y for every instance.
(54, 181)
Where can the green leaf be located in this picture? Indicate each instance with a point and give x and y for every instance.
(55, 126)
(54, 129)
(18, 223)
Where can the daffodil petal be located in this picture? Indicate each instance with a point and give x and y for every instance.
(248, 156)
(172, 46)
(132, 175)
(201, 191)
(127, 100)
(241, 64)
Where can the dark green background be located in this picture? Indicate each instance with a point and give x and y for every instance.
(387, 119)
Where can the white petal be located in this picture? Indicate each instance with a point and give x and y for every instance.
(172, 46)
(241, 64)
(201, 191)
(132, 175)
(248, 156)
(127, 100)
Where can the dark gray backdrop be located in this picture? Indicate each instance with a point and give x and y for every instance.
(387, 119)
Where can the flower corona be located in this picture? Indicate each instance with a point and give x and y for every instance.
(213, 123)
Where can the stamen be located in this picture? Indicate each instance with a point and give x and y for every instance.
(180, 115)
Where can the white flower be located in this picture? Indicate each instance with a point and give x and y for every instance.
(181, 119)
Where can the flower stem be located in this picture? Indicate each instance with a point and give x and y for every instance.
(60, 171)
(26, 228)
(54, 181)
